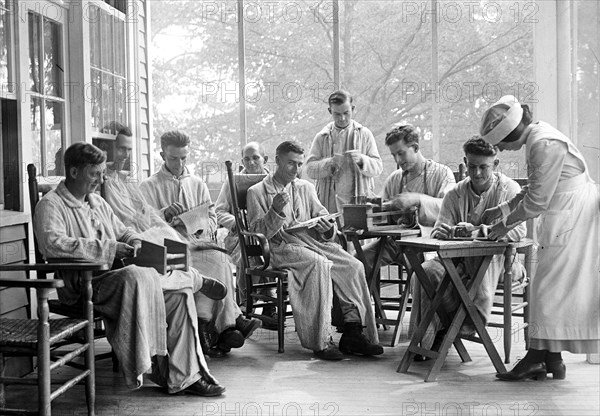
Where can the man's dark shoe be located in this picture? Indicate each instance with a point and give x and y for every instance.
(205, 389)
(270, 323)
(207, 334)
(230, 338)
(330, 353)
(437, 343)
(247, 326)
(213, 289)
(216, 352)
(353, 341)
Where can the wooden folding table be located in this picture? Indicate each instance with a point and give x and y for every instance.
(447, 251)
(371, 270)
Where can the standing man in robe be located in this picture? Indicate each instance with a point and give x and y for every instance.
(125, 198)
(343, 158)
(317, 266)
(142, 323)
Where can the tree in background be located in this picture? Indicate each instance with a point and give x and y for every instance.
(484, 51)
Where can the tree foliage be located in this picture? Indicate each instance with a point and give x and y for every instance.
(484, 50)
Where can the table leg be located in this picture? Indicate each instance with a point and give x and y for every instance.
(466, 295)
(371, 273)
(435, 307)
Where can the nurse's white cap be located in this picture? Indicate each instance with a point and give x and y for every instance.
(500, 119)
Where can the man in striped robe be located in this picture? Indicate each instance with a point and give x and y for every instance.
(317, 267)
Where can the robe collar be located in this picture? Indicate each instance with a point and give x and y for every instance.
(269, 183)
(165, 173)
(72, 202)
(326, 131)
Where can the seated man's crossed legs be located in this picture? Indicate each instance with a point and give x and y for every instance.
(144, 325)
(312, 279)
(184, 370)
(221, 323)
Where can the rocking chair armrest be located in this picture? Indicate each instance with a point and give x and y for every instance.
(65, 265)
(264, 244)
(32, 283)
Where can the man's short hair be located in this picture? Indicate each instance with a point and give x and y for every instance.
(479, 147)
(255, 145)
(408, 133)
(339, 97)
(174, 138)
(125, 131)
(117, 128)
(289, 146)
(81, 154)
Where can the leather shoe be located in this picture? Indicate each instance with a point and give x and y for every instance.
(330, 353)
(435, 346)
(231, 338)
(215, 352)
(213, 289)
(247, 326)
(524, 370)
(205, 389)
(270, 323)
(557, 368)
(353, 341)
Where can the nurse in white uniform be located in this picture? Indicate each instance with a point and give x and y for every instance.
(565, 289)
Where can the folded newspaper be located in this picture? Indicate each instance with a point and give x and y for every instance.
(304, 225)
(196, 218)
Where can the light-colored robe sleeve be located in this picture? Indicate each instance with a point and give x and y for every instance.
(224, 208)
(450, 212)
(212, 214)
(261, 216)
(316, 161)
(545, 165)
(150, 192)
(372, 165)
(392, 185)
(51, 222)
(430, 206)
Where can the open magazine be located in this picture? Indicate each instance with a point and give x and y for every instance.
(304, 225)
(196, 218)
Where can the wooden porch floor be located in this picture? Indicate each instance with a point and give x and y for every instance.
(260, 381)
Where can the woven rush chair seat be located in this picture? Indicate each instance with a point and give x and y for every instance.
(23, 332)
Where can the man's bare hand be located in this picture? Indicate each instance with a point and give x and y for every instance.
(137, 246)
(332, 166)
(124, 250)
(173, 210)
(442, 232)
(491, 214)
(406, 200)
(356, 157)
(324, 225)
(280, 201)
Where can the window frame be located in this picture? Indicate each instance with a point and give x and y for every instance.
(114, 13)
(42, 95)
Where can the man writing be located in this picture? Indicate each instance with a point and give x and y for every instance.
(484, 188)
(343, 158)
(73, 222)
(317, 266)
